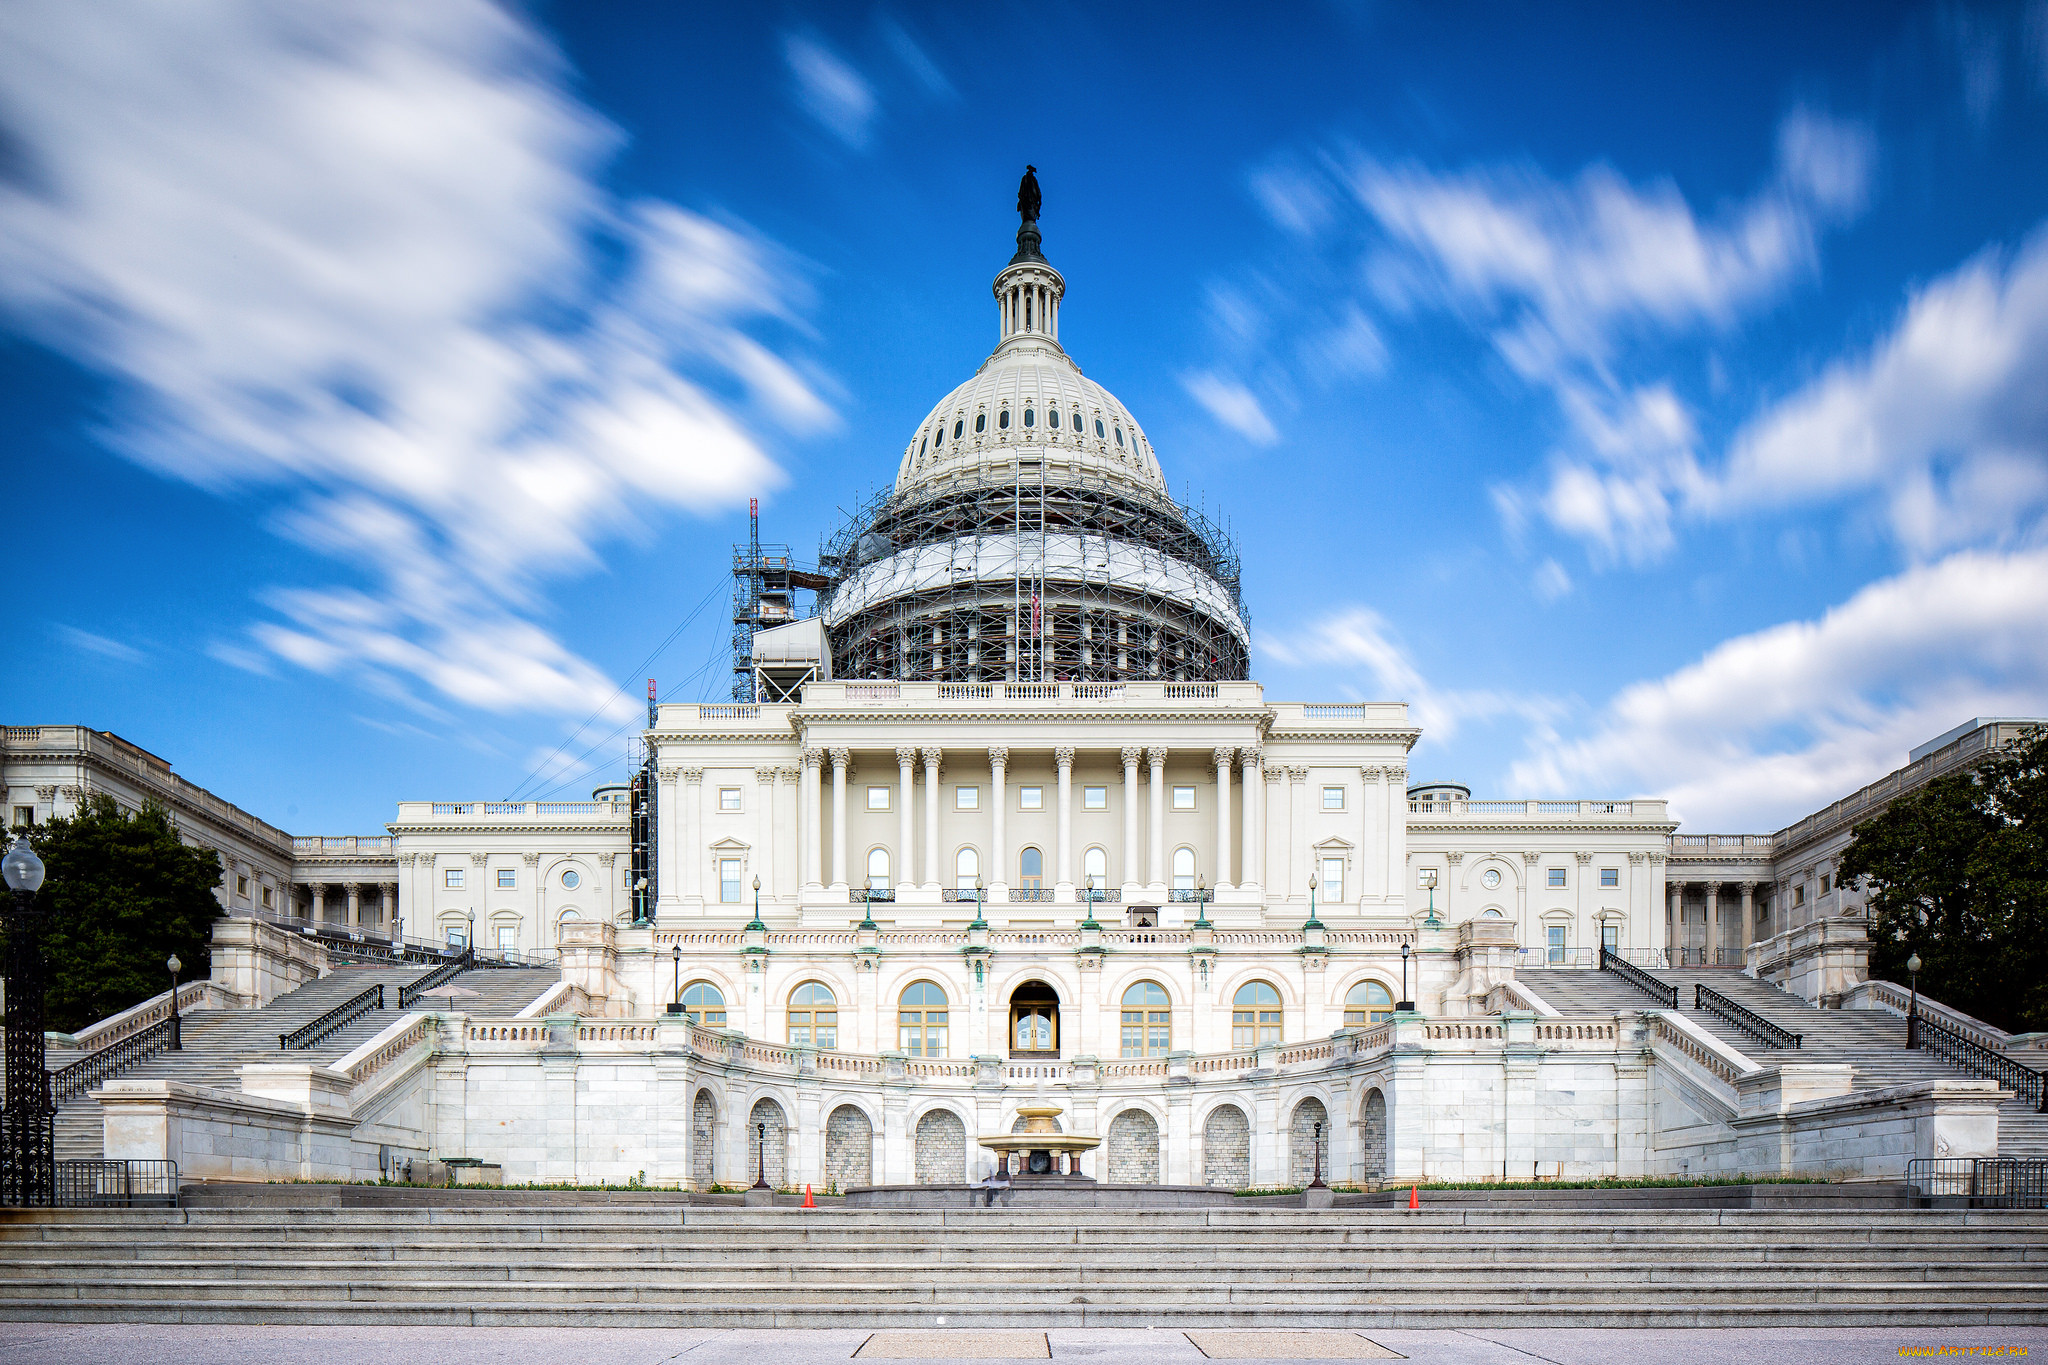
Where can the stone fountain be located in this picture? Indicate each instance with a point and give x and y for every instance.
(1043, 1152)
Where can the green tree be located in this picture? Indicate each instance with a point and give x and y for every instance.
(123, 892)
(1958, 873)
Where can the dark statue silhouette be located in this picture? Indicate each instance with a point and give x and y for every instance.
(1028, 198)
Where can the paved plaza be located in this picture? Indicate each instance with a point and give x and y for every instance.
(63, 1344)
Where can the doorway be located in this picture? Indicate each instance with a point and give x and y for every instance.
(1034, 1021)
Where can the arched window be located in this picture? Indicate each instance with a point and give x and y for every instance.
(878, 869)
(1119, 436)
(966, 869)
(1254, 1016)
(570, 916)
(1029, 417)
(1077, 421)
(1183, 869)
(1367, 1003)
(1003, 419)
(1148, 1021)
(921, 1020)
(1098, 428)
(957, 426)
(1031, 869)
(814, 1015)
(923, 446)
(980, 422)
(1095, 869)
(704, 1003)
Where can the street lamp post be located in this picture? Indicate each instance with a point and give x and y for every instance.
(28, 1122)
(980, 905)
(1913, 1005)
(1407, 1006)
(676, 982)
(177, 1027)
(756, 923)
(1090, 922)
(1317, 1183)
(1202, 903)
(761, 1158)
(1313, 922)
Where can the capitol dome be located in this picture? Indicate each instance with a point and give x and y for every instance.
(1029, 536)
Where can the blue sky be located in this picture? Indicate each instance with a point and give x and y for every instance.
(1657, 401)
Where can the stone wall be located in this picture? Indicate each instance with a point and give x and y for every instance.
(1302, 1140)
(770, 1154)
(941, 1148)
(1373, 1137)
(1227, 1148)
(1134, 1149)
(849, 1148)
(703, 1140)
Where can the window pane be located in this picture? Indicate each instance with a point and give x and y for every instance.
(1095, 863)
(1032, 864)
(966, 869)
(1333, 879)
(1094, 798)
(878, 868)
(1030, 798)
(878, 798)
(1333, 798)
(729, 880)
(1183, 798)
(728, 798)
(505, 877)
(1557, 876)
(1610, 876)
(966, 798)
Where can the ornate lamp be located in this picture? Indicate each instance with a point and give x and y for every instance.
(1407, 1006)
(1913, 1009)
(177, 1028)
(28, 1156)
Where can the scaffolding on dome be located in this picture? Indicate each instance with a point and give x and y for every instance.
(1006, 575)
(765, 582)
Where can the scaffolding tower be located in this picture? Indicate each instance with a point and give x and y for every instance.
(765, 582)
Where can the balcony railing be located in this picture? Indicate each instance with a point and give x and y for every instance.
(1030, 893)
(871, 895)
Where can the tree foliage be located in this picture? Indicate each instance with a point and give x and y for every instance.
(1958, 873)
(123, 893)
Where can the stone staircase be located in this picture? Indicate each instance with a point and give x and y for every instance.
(724, 1267)
(1872, 1041)
(219, 1042)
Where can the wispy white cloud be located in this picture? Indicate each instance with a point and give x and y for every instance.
(1767, 726)
(101, 645)
(930, 77)
(1357, 637)
(830, 90)
(1232, 404)
(363, 256)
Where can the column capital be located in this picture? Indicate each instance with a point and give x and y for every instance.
(998, 756)
(1132, 755)
(530, 859)
(387, 889)
(693, 776)
(1156, 756)
(606, 859)
(1251, 756)
(479, 859)
(906, 755)
(842, 757)
(669, 775)
(765, 776)
(1224, 755)
(1370, 771)
(1656, 858)
(1749, 888)
(1584, 858)
(1531, 858)
(787, 775)
(1276, 773)
(1064, 756)
(932, 756)
(814, 758)
(1638, 858)
(1455, 857)
(1297, 775)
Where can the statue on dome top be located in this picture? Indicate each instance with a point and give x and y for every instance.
(1028, 198)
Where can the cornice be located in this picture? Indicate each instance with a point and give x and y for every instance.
(622, 827)
(1562, 823)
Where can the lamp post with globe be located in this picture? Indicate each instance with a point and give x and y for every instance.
(28, 1122)
(174, 966)
(1913, 1008)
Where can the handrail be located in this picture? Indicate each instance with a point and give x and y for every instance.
(1744, 1018)
(447, 971)
(116, 1057)
(1953, 1048)
(1611, 961)
(342, 1015)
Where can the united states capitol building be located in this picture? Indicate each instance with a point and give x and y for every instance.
(1006, 818)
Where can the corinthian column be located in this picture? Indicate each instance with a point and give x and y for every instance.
(1254, 868)
(906, 851)
(1132, 753)
(693, 834)
(810, 806)
(841, 759)
(998, 874)
(1063, 862)
(1155, 861)
(931, 818)
(1223, 757)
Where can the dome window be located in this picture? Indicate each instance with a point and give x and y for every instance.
(1003, 419)
(1077, 421)
(1119, 435)
(1029, 417)
(1098, 429)
(981, 421)
(922, 445)
(961, 425)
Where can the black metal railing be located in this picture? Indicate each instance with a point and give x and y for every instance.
(1665, 995)
(1986, 1182)
(447, 971)
(1030, 893)
(1103, 893)
(1744, 1018)
(116, 1057)
(1944, 1042)
(341, 1016)
(870, 895)
(98, 1183)
(952, 894)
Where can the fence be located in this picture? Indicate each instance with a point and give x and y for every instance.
(105, 1184)
(1944, 1042)
(1985, 1182)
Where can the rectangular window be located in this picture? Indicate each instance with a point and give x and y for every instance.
(507, 879)
(452, 878)
(1183, 798)
(729, 799)
(1425, 878)
(1094, 798)
(1799, 894)
(1825, 882)
(966, 798)
(24, 815)
(878, 798)
(242, 887)
(1333, 879)
(1556, 937)
(729, 881)
(1610, 937)
(1333, 798)
(456, 936)
(1556, 877)
(1610, 876)
(269, 898)
(1030, 798)
(508, 938)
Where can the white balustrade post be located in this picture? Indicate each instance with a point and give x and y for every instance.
(1223, 758)
(841, 760)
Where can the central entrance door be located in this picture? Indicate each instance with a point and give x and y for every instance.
(1034, 1021)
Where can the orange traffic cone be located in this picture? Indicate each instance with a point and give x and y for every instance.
(809, 1202)
(1414, 1196)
